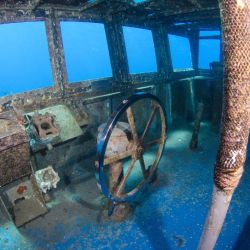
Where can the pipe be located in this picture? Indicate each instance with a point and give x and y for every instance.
(197, 122)
(235, 15)
(215, 218)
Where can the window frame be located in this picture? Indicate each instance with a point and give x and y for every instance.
(85, 88)
(56, 89)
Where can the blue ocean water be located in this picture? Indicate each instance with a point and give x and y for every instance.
(25, 62)
(140, 50)
(86, 51)
(180, 52)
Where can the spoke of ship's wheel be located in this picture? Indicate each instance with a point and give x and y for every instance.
(117, 157)
(131, 121)
(125, 178)
(143, 168)
(152, 143)
(151, 117)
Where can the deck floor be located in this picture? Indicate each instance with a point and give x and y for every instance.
(168, 215)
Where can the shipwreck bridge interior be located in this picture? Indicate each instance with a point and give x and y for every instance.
(58, 112)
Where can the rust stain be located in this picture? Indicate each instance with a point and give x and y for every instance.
(21, 189)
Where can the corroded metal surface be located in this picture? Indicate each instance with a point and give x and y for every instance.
(14, 163)
(47, 179)
(118, 142)
(195, 136)
(117, 50)
(54, 36)
(23, 200)
(45, 125)
(14, 149)
(236, 113)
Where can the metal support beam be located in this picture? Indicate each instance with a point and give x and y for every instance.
(195, 3)
(56, 51)
(164, 65)
(117, 51)
(162, 51)
(33, 4)
(90, 4)
(194, 47)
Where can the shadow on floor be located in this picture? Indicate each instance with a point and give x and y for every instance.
(151, 220)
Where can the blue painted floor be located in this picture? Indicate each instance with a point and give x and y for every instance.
(169, 214)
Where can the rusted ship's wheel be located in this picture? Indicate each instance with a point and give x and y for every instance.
(130, 146)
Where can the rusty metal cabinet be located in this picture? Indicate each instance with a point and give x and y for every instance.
(14, 149)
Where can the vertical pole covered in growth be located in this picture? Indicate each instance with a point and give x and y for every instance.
(54, 36)
(164, 66)
(235, 16)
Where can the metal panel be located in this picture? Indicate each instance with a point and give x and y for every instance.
(14, 149)
(23, 200)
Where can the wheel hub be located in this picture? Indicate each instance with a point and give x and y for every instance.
(138, 152)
